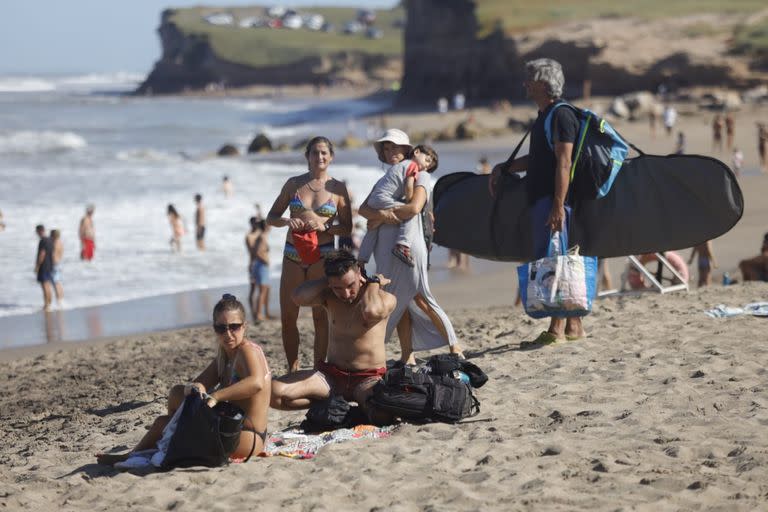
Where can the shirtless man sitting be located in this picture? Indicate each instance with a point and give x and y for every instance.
(756, 269)
(358, 310)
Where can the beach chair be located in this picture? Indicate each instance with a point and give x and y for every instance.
(657, 281)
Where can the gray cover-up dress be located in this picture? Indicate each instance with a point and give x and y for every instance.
(407, 282)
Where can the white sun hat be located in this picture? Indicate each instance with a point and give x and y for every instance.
(394, 136)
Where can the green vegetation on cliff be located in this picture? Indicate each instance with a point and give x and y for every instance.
(259, 47)
(515, 16)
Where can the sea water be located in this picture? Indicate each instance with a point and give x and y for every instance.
(70, 141)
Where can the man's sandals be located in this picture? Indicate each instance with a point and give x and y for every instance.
(546, 338)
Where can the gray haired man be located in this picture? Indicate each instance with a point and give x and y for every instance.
(547, 176)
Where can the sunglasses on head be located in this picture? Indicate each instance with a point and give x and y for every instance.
(222, 328)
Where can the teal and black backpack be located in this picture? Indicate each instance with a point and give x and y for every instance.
(598, 153)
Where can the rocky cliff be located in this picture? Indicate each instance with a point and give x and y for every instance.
(188, 62)
(614, 56)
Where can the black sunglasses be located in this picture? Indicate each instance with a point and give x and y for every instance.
(222, 328)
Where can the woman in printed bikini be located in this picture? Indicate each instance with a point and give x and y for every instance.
(239, 374)
(319, 208)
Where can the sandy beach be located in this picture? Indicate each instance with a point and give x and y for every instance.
(659, 408)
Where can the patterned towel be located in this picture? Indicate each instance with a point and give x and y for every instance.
(296, 444)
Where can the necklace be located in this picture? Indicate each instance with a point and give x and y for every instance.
(312, 189)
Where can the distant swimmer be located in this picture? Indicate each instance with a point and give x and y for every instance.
(58, 255)
(87, 235)
(258, 268)
(177, 228)
(199, 222)
(44, 265)
(226, 187)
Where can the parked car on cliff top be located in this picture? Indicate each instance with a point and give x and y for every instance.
(294, 22)
(251, 22)
(353, 27)
(366, 16)
(277, 11)
(374, 33)
(314, 21)
(220, 18)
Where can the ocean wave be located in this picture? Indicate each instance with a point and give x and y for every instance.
(118, 79)
(30, 142)
(18, 84)
(147, 155)
(90, 82)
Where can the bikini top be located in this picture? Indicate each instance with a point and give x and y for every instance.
(234, 377)
(327, 209)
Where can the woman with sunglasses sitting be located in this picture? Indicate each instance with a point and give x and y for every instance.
(239, 374)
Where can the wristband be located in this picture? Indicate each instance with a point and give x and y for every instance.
(372, 279)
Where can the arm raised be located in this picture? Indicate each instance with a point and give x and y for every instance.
(310, 293)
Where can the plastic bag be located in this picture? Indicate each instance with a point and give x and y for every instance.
(561, 284)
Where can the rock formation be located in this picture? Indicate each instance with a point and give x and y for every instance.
(613, 56)
(188, 62)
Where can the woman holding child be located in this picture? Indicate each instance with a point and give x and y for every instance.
(319, 208)
(238, 374)
(399, 247)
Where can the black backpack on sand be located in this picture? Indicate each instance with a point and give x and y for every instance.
(432, 393)
(205, 436)
(332, 413)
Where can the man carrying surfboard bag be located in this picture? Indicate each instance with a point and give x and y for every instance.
(548, 169)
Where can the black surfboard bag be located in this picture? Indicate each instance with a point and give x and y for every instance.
(424, 397)
(656, 204)
(205, 436)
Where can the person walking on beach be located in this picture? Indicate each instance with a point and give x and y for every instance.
(680, 145)
(239, 374)
(670, 117)
(762, 145)
(706, 262)
(58, 255)
(319, 209)
(87, 235)
(177, 228)
(717, 133)
(258, 268)
(199, 222)
(547, 177)
(358, 309)
(730, 130)
(44, 265)
(737, 159)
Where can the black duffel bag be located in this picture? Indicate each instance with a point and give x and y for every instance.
(205, 436)
(423, 397)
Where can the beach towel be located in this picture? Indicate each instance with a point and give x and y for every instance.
(656, 204)
(296, 444)
(753, 308)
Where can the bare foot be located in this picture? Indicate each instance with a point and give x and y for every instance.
(109, 459)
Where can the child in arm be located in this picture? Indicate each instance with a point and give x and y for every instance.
(396, 185)
(423, 158)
